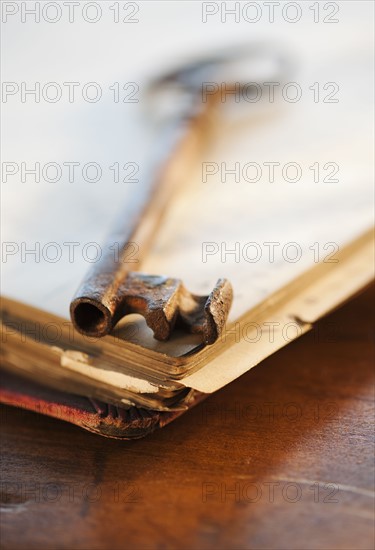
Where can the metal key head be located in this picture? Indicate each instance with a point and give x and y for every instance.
(235, 69)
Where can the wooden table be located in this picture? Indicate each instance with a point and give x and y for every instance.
(281, 458)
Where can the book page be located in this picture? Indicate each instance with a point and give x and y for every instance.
(284, 184)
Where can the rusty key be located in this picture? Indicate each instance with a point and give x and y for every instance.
(110, 291)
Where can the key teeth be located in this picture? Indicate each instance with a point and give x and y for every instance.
(216, 310)
(157, 320)
(156, 299)
(205, 315)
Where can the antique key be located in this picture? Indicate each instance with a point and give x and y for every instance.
(110, 291)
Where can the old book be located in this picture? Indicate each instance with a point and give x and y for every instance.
(278, 202)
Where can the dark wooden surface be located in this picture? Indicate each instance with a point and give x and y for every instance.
(281, 458)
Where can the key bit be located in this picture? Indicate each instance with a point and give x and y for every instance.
(164, 302)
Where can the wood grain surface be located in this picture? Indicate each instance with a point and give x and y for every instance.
(279, 459)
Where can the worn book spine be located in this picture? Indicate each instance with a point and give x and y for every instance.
(92, 415)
